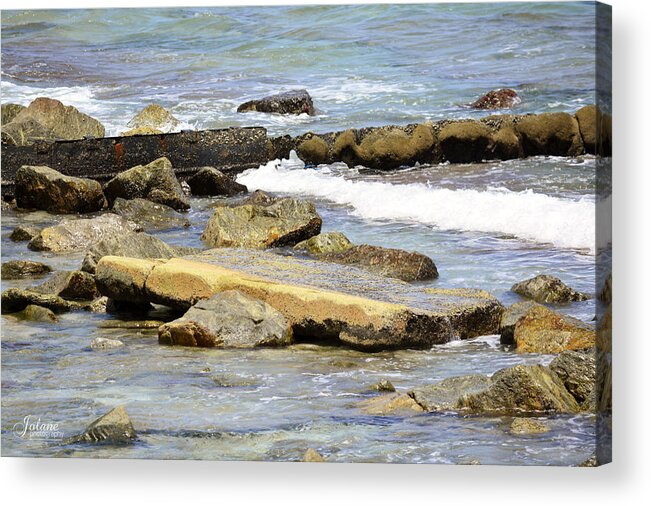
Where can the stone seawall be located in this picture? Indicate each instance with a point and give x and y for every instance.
(501, 137)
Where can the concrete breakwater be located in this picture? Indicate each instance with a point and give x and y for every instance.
(501, 137)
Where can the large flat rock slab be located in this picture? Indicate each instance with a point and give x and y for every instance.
(320, 300)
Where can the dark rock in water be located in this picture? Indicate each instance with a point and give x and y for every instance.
(23, 233)
(510, 317)
(311, 455)
(393, 263)
(528, 426)
(606, 294)
(70, 285)
(444, 395)
(290, 102)
(49, 190)
(37, 314)
(14, 300)
(48, 119)
(10, 111)
(506, 143)
(578, 371)
(149, 215)
(153, 118)
(547, 289)
(129, 307)
(497, 99)
(521, 389)
(551, 134)
(18, 269)
(131, 244)
(228, 319)
(328, 242)
(395, 404)
(114, 427)
(75, 235)
(542, 330)
(210, 181)
(101, 343)
(155, 181)
(465, 141)
(285, 222)
(313, 150)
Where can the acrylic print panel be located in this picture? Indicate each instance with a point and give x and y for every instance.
(369, 233)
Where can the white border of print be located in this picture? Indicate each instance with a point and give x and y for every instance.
(626, 481)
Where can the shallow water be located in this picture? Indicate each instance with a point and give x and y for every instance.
(485, 225)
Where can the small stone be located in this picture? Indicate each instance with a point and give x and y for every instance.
(37, 314)
(328, 242)
(113, 427)
(311, 455)
(101, 343)
(547, 289)
(384, 385)
(391, 404)
(22, 233)
(528, 426)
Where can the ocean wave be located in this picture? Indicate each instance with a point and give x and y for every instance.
(526, 215)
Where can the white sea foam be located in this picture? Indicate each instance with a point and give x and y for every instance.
(527, 215)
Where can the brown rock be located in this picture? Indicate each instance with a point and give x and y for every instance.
(510, 317)
(70, 285)
(465, 142)
(554, 133)
(24, 233)
(497, 99)
(210, 181)
(391, 404)
(10, 111)
(547, 289)
(528, 426)
(311, 455)
(18, 269)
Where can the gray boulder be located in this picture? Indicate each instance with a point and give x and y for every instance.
(155, 181)
(130, 244)
(228, 319)
(393, 263)
(70, 285)
(210, 181)
(47, 189)
(328, 242)
(547, 289)
(290, 102)
(284, 222)
(74, 235)
(444, 395)
(18, 269)
(149, 215)
(578, 371)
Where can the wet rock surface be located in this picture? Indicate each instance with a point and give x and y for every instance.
(284, 222)
(19, 269)
(321, 244)
(290, 102)
(211, 181)
(24, 233)
(70, 285)
(528, 426)
(511, 316)
(497, 99)
(554, 133)
(101, 343)
(228, 319)
(155, 181)
(35, 313)
(114, 427)
(547, 289)
(578, 371)
(399, 404)
(149, 215)
(74, 235)
(47, 189)
(393, 263)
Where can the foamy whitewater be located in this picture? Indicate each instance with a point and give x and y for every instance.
(527, 215)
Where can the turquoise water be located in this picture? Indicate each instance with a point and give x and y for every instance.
(485, 225)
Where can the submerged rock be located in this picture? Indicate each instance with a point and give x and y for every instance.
(316, 298)
(149, 215)
(18, 269)
(113, 427)
(47, 189)
(542, 330)
(393, 263)
(528, 426)
(578, 371)
(70, 285)
(131, 244)
(510, 317)
(153, 117)
(48, 119)
(35, 313)
(391, 404)
(289, 102)
(547, 289)
(24, 233)
(497, 99)
(328, 242)
(210, 181)
(101, 343)
(75, 235)
(228, 319)
(155, 181)
(552, 134)
(284, 222)
(311, 455)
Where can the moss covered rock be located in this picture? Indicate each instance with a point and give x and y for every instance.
(554, 133)
(18, 269)
(465, 142)
(547, 289)
(327, 242)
